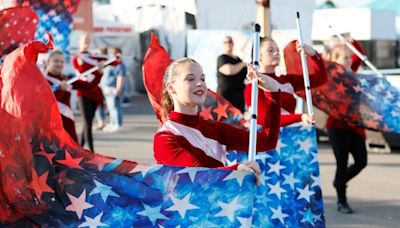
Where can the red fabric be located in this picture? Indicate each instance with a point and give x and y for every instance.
(264, 99)
(316, 68)
(171, 149)
(318, 76)
(31, 130)
(59, 6)
(155, 64)
(331, 122)
(18, 26)
(94, 92)
(69, 126)
(65, 97)
(356, 61)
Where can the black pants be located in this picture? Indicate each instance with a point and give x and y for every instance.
(88, 108)
(342, 143)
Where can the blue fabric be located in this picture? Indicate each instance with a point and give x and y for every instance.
(290, 191)
(115, 109)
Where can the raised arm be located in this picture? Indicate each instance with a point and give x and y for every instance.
(318, 78)
(269, 117)
(229, 69)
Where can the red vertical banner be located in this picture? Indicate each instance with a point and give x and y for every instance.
(83, 17)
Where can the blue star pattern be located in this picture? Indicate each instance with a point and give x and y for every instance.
(56, 18)
(290, 192)
(58, 25)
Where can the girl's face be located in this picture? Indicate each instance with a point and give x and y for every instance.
(269, 54)
(55, 64)
(188, 89)
(343, 56)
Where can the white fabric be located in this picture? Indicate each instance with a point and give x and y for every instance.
(210, 146)
(65, 110)
(57, 82)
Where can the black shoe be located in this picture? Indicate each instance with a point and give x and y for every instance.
(344, 208)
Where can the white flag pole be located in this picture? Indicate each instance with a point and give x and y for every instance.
(306, 77)
(84, 74)
(358, 53)
(254, 95)
(90, 71)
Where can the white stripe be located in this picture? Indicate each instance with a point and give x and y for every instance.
(210, 146)
(85, 57)
(57, 82)
(65, 110)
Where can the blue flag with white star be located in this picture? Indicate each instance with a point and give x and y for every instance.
(290, 191)
(56, 18)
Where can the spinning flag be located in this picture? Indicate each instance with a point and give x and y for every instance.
(18, 25)
(55, 17)
(359, 99)
(47, 180)
(290, 192)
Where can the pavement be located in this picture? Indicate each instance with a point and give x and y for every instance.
(374, 194)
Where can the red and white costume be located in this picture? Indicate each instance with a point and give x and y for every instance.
(88, 61)
(187, 140)
(297, 83)
(63, 100)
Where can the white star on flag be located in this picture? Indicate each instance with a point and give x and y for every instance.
(57, 18)
(182, 205)
(53, 30)
(152, 213)
(317, 181)
(229, 163)
(278, 214)
(59, 37)
(78, 205)
(244, 222)
(144, 169)
(305, 193)
(45, 17)
(191, 172)
(306, 145)
(276, 189)
(263, 178)
(104, 190)
(93, 222)
(238, 176)
(315, 158)
(228, 209)
(290, 180)
(279, 146)
(276, 167)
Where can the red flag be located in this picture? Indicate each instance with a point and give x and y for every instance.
(31, 131)
(18, 26)
(293, 61)
(155, 64)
